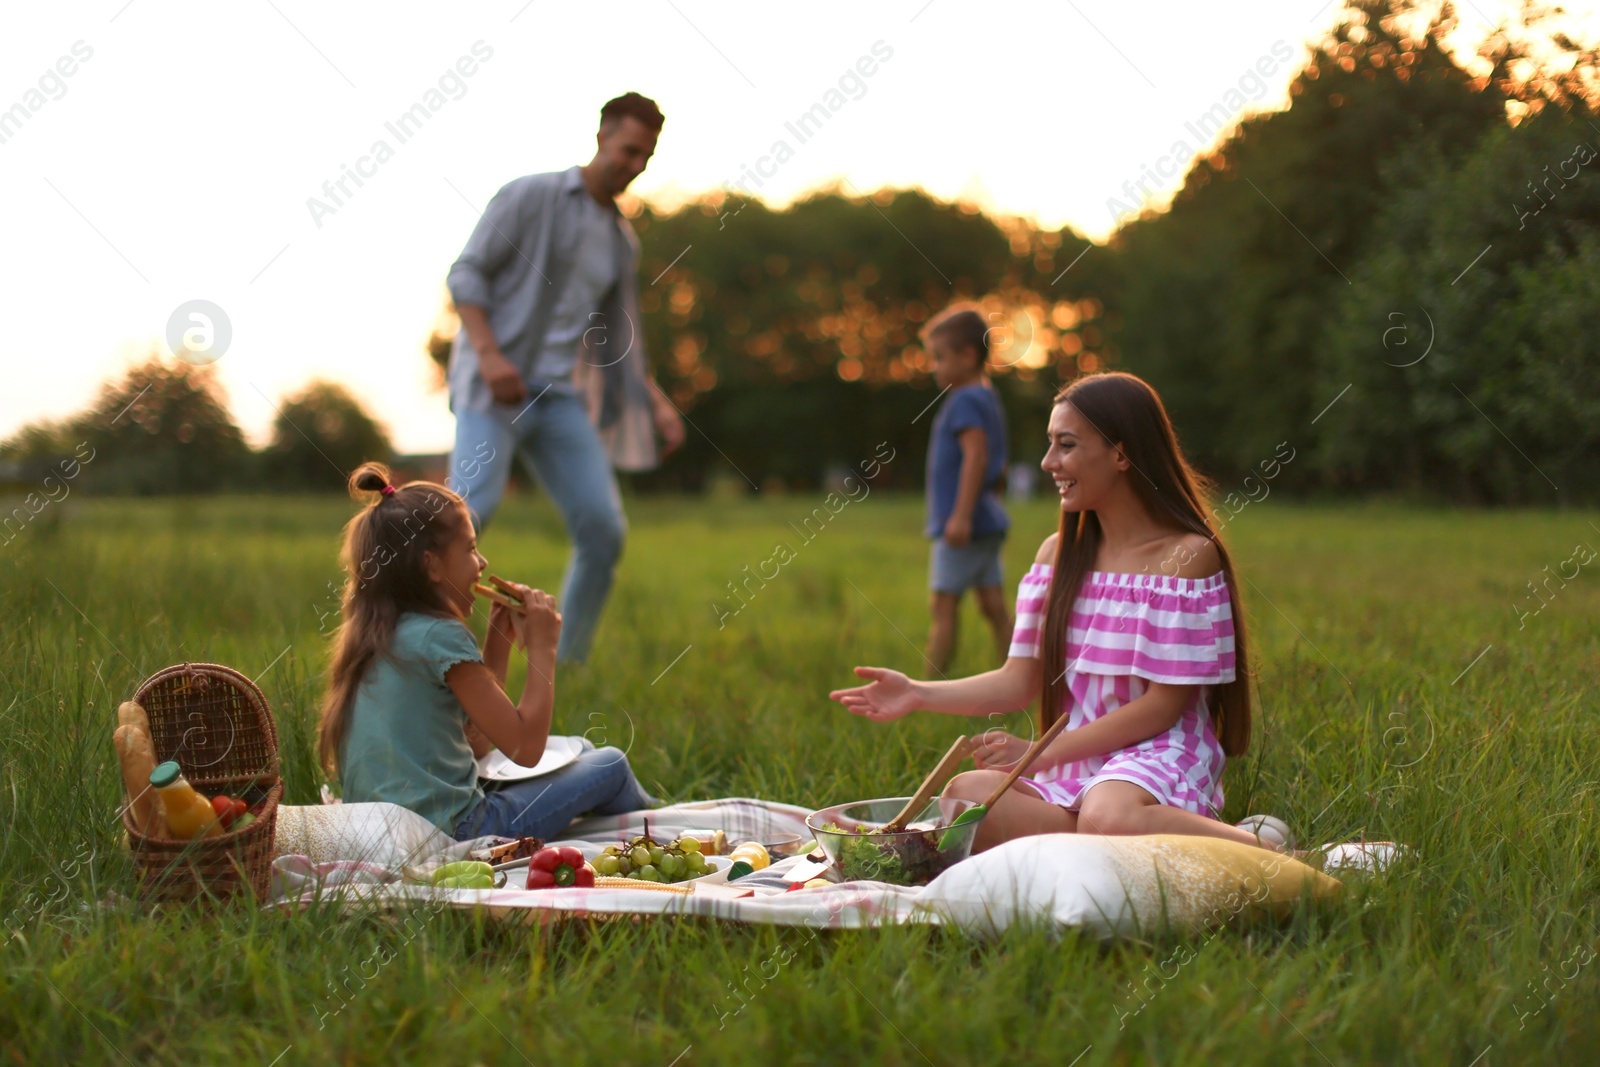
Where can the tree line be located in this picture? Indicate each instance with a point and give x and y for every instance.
(1390, 279)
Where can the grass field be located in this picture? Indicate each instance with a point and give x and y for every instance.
(1380, 713)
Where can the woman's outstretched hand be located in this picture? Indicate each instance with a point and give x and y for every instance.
(889, 695)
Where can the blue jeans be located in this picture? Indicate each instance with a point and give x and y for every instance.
(560, 445)
(599, 781)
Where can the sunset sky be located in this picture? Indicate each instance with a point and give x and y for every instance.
(176, 161)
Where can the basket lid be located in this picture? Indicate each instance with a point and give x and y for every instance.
(214, 721)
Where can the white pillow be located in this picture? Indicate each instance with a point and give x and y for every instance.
(1119, 885)
(385, 834)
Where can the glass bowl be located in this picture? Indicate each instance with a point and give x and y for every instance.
(911, 857)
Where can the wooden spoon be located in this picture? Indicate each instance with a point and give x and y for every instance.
(936, 778)
(972, 815)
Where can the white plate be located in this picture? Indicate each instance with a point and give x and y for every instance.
(559, 751)
(718, 871)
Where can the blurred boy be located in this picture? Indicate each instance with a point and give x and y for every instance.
(966, 458)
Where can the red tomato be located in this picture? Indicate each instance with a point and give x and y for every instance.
(223, 806)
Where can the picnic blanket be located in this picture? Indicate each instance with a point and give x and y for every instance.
(355, 856)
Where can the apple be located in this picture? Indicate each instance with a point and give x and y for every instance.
(228, 810)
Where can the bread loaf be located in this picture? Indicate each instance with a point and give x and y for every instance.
(138, 758)
(131, 713)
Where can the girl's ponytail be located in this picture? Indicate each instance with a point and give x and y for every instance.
(369, 478)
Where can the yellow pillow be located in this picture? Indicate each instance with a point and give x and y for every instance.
(1208, 880)
(1120, 885)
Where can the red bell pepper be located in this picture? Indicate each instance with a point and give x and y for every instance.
(553, 868)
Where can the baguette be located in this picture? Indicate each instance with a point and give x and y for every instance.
(138, 758)
(131, 713)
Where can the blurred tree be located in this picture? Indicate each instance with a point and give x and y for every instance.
(1225, 298)
(1465, 336)
(163, 428)
(789, 338)
(1264, 291)
(321, 434)
(39, 440)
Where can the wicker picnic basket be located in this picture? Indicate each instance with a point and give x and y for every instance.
(216, 724)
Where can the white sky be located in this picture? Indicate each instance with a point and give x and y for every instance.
(178, 161)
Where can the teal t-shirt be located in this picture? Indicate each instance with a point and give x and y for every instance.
(405, 742)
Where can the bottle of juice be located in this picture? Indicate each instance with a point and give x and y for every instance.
(189, 815)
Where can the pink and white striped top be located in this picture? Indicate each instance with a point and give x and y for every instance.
(1126, 631)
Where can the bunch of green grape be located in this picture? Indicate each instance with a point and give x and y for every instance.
(644, 859)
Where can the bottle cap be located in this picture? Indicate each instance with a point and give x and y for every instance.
(165, 774)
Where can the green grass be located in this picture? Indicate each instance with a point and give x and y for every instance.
(1363, 621)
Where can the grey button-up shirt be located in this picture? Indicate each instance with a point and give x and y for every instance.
(515, 266)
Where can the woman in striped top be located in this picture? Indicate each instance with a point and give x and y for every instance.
(1128, 623)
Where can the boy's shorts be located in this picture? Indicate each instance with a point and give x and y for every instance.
(975, 565)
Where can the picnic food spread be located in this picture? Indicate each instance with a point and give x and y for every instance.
(163, 804)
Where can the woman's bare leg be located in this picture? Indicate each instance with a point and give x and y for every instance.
(1018, 813)
(1117, 807)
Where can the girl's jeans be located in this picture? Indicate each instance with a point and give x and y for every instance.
(598, 781)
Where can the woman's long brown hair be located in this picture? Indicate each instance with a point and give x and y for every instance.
(385, 576)
(1128, 413)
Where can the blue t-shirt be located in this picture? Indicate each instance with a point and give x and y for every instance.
(972, 405)
(406, 742)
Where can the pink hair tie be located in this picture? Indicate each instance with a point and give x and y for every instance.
(387, 490)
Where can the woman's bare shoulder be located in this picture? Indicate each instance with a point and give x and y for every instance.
(1195, 556)
(1047, 551)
